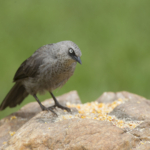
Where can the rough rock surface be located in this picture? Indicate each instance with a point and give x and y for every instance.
(71, 134)
(13, 122)
(34, 129)
(136, 108)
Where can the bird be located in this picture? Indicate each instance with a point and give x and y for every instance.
(47, 69)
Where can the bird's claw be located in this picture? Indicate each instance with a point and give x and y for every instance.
(48, 109)
(60, 106)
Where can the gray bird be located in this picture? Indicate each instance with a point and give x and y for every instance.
(48, 68)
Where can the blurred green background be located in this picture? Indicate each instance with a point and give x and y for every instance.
(114, 37)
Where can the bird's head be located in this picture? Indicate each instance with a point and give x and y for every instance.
(69, 51)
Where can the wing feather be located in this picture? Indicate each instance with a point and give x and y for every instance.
(29, 68)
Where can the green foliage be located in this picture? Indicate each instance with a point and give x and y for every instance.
(114, 37)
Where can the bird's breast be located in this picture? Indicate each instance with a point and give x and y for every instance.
(56, 75)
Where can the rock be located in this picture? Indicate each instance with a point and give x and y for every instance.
(143, 146)
(70, 134)
(142, 131)
(119, 123)
(135, 108)
(108, 97)
(13, 122)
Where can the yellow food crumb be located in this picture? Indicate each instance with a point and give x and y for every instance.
(13, 117)
(12, 133)
(120, 100)
(109, 118)
(49, 128)
(83, 117)
(89, 104)
(100, 111)
(81, 112)
(120, 121)
(45, 122)
(4, 143)
(100, 105)
(134, 125)
(93, 111)
(78, 106)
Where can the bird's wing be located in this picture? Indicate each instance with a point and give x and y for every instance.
(29, 68)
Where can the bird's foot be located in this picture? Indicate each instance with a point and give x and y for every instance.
(48, 109)
(60, 106)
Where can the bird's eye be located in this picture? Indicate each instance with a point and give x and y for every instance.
(71, 50)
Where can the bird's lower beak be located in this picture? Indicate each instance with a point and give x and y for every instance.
(78, 59)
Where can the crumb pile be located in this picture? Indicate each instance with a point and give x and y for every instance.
(99, 111)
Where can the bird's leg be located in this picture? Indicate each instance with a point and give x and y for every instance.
(57, 104)
(42, 106)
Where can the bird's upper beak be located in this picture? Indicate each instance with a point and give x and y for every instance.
(77, 59)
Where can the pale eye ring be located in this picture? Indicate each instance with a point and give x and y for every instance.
(71, 50)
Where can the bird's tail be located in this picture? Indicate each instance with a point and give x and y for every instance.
(15, 96)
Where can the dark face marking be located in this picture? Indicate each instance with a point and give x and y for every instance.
(73, 55)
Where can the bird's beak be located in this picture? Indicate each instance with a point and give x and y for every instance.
(77, 59)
